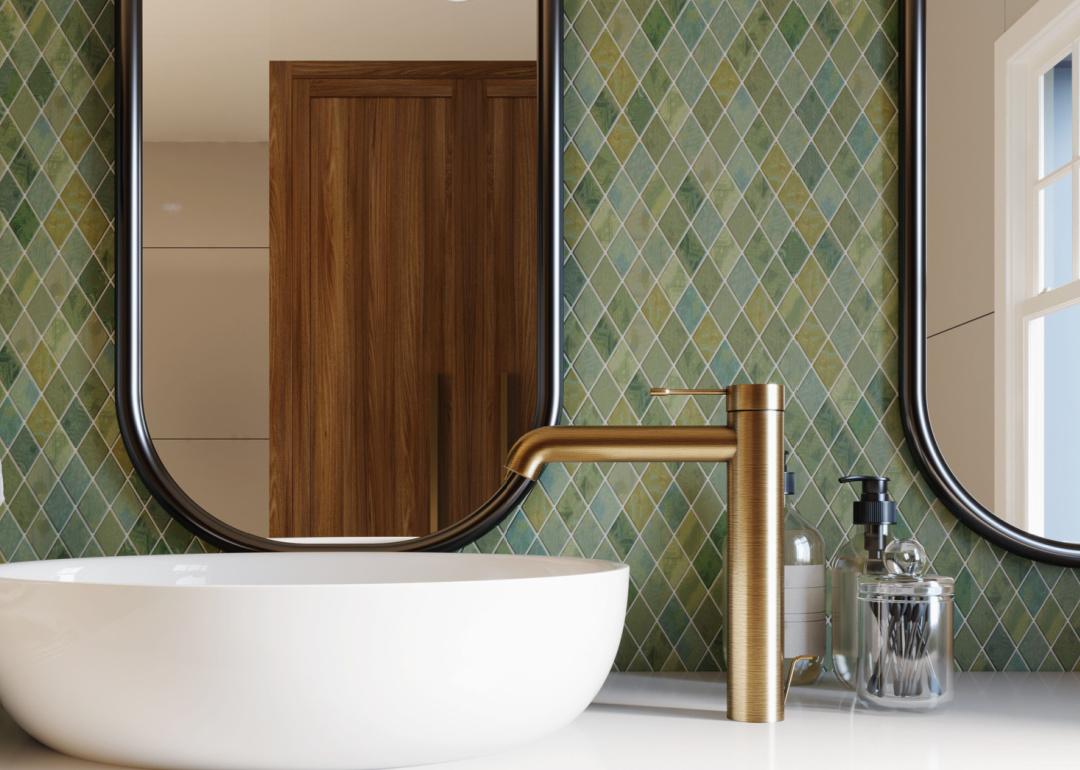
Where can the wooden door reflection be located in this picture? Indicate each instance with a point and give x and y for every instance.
(403, 293)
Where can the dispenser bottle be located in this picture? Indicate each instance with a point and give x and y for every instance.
(804, 591)
(872, 515)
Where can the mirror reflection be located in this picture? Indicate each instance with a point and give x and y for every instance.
(339, 257)
(1003, 254)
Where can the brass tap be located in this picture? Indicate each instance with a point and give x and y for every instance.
(752, 445)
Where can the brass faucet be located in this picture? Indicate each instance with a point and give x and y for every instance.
(752, 445)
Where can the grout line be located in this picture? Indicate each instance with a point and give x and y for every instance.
(962, 323)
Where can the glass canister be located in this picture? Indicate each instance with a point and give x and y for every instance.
(905, 622)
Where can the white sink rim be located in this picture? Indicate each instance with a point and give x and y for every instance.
(469, 568)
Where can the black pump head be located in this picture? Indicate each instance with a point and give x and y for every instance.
(874, 505)
(789, 477)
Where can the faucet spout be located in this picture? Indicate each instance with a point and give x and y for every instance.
(617, 443)
(752, 445)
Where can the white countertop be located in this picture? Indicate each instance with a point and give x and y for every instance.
(676, 722)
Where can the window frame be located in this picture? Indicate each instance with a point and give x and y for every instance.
(1023, 55)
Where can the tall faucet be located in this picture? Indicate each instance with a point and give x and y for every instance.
(752, 445)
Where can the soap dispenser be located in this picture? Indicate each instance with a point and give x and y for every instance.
(872, 515)
(804, 591)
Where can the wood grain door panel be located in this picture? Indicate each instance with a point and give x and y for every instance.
(403, 294)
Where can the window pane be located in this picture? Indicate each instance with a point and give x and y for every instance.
(1061, 426)
(1055, 242)
(1057, 107)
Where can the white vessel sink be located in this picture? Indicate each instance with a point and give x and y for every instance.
(303, 660)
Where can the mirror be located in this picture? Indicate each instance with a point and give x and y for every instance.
(993, 140)
(344, 257)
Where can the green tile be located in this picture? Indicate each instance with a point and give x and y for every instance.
(1051, 620)
(793, 26)
(811, 110)
(41, 82)
(759, 25)
(640, 110)
(24, 223)
(828, 24)
(656, 25)
(1033, 592)
(1033, 649)
(41, 25)
(1067, 649)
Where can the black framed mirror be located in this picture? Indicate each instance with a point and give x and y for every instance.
(375, 206)
(991, 260)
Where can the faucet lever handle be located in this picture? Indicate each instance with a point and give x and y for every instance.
(688, 391)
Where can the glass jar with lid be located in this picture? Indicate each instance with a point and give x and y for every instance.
(905, 622)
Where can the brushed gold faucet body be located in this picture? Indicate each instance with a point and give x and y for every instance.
(752, 445)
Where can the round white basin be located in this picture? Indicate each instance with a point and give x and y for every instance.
(303, 660)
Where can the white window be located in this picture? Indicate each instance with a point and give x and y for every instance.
(1037, 307)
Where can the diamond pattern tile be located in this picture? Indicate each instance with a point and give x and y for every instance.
(730, 216)
(70, 486)
(749, 233)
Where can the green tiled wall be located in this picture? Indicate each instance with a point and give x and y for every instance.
(730, 216)
(70, 489)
